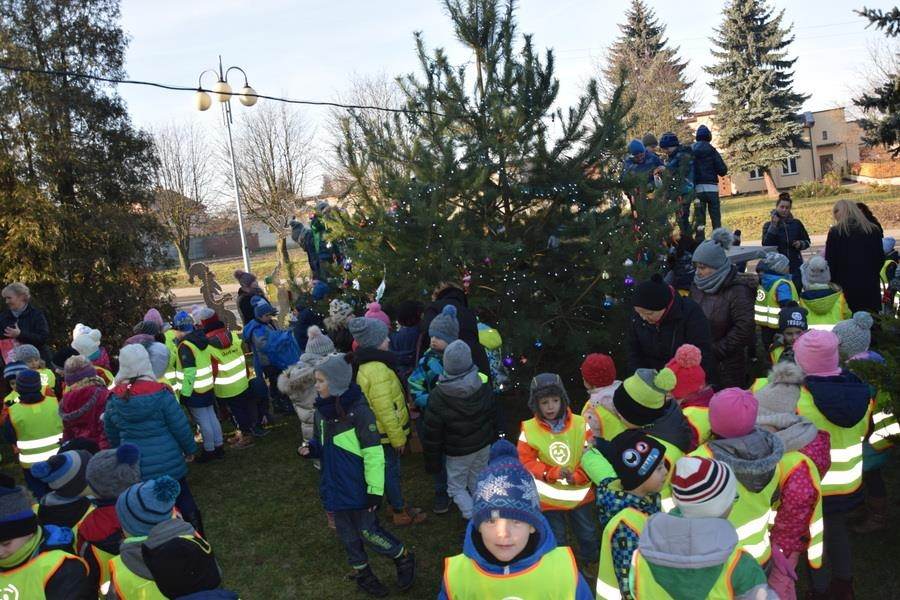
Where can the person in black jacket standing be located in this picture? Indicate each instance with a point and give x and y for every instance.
(22, 322)
(788, 234)
(448, 293)
(708, 167)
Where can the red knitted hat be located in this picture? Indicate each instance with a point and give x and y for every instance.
(598, 370)
(690, 375)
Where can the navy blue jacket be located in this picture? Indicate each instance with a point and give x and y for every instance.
(783, 236)
(632, 168)
(708, 164)
(306, 319)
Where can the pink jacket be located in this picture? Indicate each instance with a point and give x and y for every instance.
(798, 497)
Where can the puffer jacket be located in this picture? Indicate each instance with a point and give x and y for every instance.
(81, 410)
(425, 377)
(799, 495)
(730, 315)
(298, 382)
(708, 164)
(457, 426)
(381, 386)
(147, 415)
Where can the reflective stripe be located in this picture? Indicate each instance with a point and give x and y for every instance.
(573, 495)
(231, 378)
(845, 455)
(104, 588)
(766, 310)
(815, 551)
(171, 375)
(816, 527)
(36, 458)
(758, 550)
(204, 371)
(882, 416)
(668, 504)
(233, 364)
(607, 592)
(754, 526)
(522, 437)
(890, 430)
(202, 383)
(833, 477)
(34, 444)
(822, 326)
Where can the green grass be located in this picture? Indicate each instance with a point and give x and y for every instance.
(262, 263)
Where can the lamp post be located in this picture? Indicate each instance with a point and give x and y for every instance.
(247, 96)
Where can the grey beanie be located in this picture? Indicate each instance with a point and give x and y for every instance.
(546, 384)
(338, 372)
(317, 342)
(445, 326)
(111, 472)
(27, 352)
(854, 334)
(815, 270)
(457, 358)
(776, 263)
(368, 333)
(713, 252)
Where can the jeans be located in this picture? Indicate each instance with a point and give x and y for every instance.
(243, 409)
(462, 475)
(837, 555)
(715, 212)
(187, 506)
(582, 522)
(392, 490)
(440, 479)
(357, 526)
(210, 428)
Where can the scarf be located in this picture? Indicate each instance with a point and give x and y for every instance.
(712, 283)
(18, 313)
(24, 553)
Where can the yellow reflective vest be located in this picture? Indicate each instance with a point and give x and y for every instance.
(826, 312)
(644, 587)
(767, 308)
(38, 430)
(28, 581)
(607, 582)
(230, 377)
(201, 379)
(553, 577)
(562, 449)
(171, 374)
(128, 585)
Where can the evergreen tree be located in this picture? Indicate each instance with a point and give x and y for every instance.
(756, 105)
(74, 175)
(486, 186)
(882, 105)
(655, 78)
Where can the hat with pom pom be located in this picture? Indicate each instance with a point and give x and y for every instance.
(815, 271)
(641, 399)
(713, 252)
(732, 413)
(689, 374)
(774, 263)
(598, 370)
(854, 334)
(111, 472)
(88, 343)
(183, 321)
(244, 278)
(143, 505)
(317, 342)
(445, 326)
(64, 473)
(373, 311)
(505, 490)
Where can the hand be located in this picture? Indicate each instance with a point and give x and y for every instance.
(303, 450)
(12, 332)
(798, 245)
(401, 450)
(372, 502)
(565, 473)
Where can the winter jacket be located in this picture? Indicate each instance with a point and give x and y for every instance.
(686, 557)
(245, 306)
(159, 353)
(457, 426)
(305, 319)
(640, 172)
(405, 344)
(70, 581)
(708, 164)
(81, 411)
(33, 327)
(425, 377)
(352, 470)
(100, 529)
(700, 398)
(272, 347)
(54, 509)
(783, 294)
(799, 494)
(855, 264)
(298, 382)
(147, 415)
(381, 387)
(730, 315)
(783, 235)
(468, 325)
(671, 427)
(679, 176)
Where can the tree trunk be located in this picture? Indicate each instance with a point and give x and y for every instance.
(771, 189)
(184, 256)
(281, 251)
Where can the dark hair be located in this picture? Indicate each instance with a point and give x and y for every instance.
(784, 197)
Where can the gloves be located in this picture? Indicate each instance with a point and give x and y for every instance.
(373, 502)
(781, 562)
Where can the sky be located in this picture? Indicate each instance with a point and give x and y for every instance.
(312, 49)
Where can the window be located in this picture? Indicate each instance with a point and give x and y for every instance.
(789, 166)
(756, 173)
(824, 135)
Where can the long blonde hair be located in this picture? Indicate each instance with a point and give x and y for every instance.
(848, 217)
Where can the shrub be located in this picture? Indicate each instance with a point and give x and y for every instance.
(830, 185)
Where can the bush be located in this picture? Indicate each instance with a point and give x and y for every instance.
(830, 185)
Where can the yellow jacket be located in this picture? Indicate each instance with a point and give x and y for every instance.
(384, 392)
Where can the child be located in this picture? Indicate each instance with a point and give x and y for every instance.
(824, 300)
(274, 350)
(509, 549)
(83, 402)
(598, 373)
(37, 561)
(460, 423)
(86, 342)
(373, 311)
(680, 263)
(691, 391)
(405, 341)
(303, 316)
(679, 186)
(791, 325)
(10, 370)
(551, 446)
(696, 550)
(352, 483)
(339, 315)
(625, 504)
(382, 389)
(63, 473)
(31, 357)
(775, 290)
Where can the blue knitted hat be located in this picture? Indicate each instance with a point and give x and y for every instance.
(183, 321)
(12, 369)
(28, 383)
(704, 134)
(636, 147)
(506, 490)
(17, 518)
(143, 505)
(64, 472)
(263, 308)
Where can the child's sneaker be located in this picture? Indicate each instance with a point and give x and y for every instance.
(408, 516)
(369, 583)
(441, 504)
(406, 570)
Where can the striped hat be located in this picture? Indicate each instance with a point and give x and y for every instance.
(64, 473)
(143, 505)
(702, 487)
(12, 369)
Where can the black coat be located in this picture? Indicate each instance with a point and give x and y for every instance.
(783, 236)
(33, 325)
(244, 305)
(855, 263)
(652, 346)
(708, 164)
(458, 426)
(468, 325)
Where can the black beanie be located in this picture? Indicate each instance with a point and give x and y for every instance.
(653, 294)
(634, 455)
(409, 313)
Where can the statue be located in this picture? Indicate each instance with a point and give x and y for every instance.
(212, 294)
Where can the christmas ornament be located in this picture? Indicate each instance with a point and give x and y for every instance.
(466, 280)
(508, 361)
(356, 284)
(348, 265)
(538, 344)
(608, 303)
(487, 261)
(346, 284)
(629, 281)
(605, 274)
(628, 262)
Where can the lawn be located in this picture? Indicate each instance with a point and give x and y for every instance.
(262, 262)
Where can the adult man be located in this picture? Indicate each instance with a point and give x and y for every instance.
(788, 234)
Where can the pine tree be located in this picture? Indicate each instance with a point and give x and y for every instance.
(655, 77)
(486, 185)
(756, 105)
(882, 105)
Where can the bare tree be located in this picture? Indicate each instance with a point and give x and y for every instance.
(183, 181)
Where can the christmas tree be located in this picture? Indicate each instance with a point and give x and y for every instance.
(488, 186)
(882, 105)
(756, 105)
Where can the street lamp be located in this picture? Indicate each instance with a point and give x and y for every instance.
(222, 92)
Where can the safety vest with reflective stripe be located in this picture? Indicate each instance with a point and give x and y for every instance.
(607, 582)
(767, 308)
(698, 418)
(171, 374)
(790, 462)
(885, 428)
(553, 577)
(230, 378)
(752, 512)
(48, 381)
(38, 430)
(129, 586)
(608, 425)
(203, 376)
(28, 581)
(673, 453)
(562, 449)
(837, 313)
(644, 586)
(775, 354)
(107, 376)
(885, 282)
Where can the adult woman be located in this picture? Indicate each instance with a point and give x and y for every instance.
(21, 321)
(726, 298)
(448, 293)
(249, 288)
(854, 253)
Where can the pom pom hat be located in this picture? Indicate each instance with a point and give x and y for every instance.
(854, 334)
(505, 490)
(713, 252)
(598, 370)
(373, 311)
(64, 473)
(143, 505)
(689, 374)
(641, 399)
(317, 342)
(111, 472)
(445, 326)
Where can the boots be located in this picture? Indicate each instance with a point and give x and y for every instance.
(219, 452)
(408, 516)
(369, 583)
(196, 521)
(876, 517)
(841, 589)
(406, 570)
(204, 457)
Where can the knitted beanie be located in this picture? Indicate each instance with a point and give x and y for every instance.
(598, 370)
(815, 271)
(145, 504)
(634, 455)
(641, 399)
(148, 328)
(732, 413)
(854, 335)
(689, 375)
(373, 311)
(668, 140)
(12, 369)
(79, 329)
(714, 251)
(781, 392)
(409, 313)
(17, 519)
(244, 279)
(816, 351)
(702, 487)
(26, 352)
(263, 308)
(792, 315)
(649, 140)
(653, 294)
(111, 472)
(544, 385)
(87, 344)
(457, 358)
(182, 321)
(317, 342)
(445, 326)
(368, 333)
(78, 368)
(337, 372)
(134, 362)
(704, 134)
(340, 311)
(64, 472)
(153, 316)
(636, 147)
(28, 383)
(505, 490)
(775, 263)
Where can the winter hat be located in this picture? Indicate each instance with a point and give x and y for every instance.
(649, 140)
(204, 313)
(373, 311)
(702, 487)
(775, 263)
(146, 328)
(368, 333)
(182, 321)
(339, 310)
(781, 392)
(815, 271)
(317, 342)
(792, 315)
(505, 490)
(636, 147)
(17, 519)
(816, 351)
(445, 326)
(854, 334)
(634, 455)
(79, 329)
(12, 369)
(641, 399)
(145, 504)
(64, 472)
(713, 252)
(111, 472)
(134, 362)
(457, 358)
(181, 562)
(598, 370)
(244, 278)
(153, 316)
(409, 313)
(704, 134)
(887, 244)
(337, 372)
(653, 294)
(26, 352)
(732, 413)
(544, 385)
(28, 383)
(78, 368)
(263, 308)
(668, 140)
(689, 375)
(87, 344)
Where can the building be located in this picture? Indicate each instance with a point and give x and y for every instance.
(835, 147)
